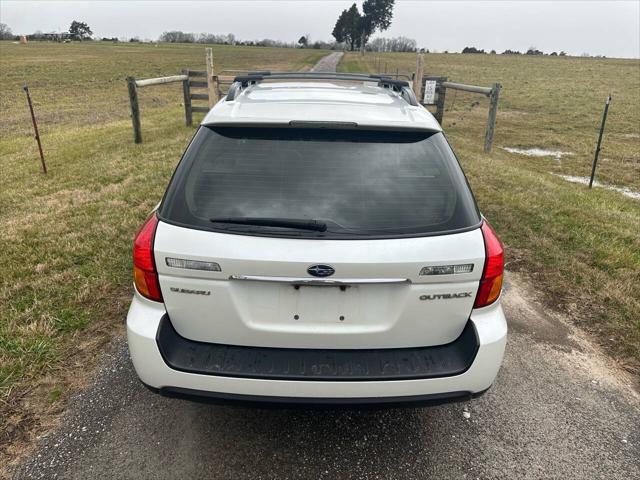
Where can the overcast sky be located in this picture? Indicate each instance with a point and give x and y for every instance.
(610, 28)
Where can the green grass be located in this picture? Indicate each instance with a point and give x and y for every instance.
(581, 248)
(66, 236)
(82, 84)
(66, 248)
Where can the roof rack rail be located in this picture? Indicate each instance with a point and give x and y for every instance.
(400, 86)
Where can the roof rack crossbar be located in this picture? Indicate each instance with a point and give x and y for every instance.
(400, 86)
(258, 76)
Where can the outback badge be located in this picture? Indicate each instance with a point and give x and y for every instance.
(190, 291)
(446, 296)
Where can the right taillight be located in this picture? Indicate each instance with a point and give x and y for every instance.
(491, 281)
(145, 275)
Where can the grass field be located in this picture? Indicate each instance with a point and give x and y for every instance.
(66, 237)
(78, 84)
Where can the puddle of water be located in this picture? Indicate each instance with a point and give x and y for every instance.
(626, 191)
(537, 152)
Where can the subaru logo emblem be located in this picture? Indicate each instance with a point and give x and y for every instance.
(320, 270)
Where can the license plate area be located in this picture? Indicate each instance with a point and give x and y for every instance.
(306, 303)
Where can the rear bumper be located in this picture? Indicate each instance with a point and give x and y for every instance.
(304, 364)
(261, 401)
(145, 317)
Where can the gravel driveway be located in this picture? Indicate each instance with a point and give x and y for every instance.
(327, 64)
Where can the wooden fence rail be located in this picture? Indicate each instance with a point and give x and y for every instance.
(193, 74)
(187, 85)
(442, 85)
(133, 85)
(189, 79)
(161, 80)
(467, 88)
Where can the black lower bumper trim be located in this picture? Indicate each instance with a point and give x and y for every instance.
(317, 364)
(304, 402)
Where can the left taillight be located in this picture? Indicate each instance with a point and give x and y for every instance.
(492, 275)
(145, 275)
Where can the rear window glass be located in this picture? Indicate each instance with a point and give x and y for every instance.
(358, 183)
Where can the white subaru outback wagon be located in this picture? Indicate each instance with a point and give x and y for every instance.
(318, 244)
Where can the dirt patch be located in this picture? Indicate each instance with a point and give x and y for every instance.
(556, 330)
(533, 319)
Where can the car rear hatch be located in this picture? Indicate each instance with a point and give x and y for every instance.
(263, 294)
(397, 265)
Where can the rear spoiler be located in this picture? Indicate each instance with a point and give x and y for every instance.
(248, 122)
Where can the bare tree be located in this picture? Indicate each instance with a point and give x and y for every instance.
(395, 44)
(176, 36)
(5, 32)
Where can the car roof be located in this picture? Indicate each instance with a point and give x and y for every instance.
(354, 102)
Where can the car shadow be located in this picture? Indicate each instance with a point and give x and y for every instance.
(331, 443)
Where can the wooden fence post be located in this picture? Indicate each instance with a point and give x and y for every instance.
(37, 134)
(493, 111)
(212, 86)
(441, 90)
(417, 82)
(135, 109)
(186, 90)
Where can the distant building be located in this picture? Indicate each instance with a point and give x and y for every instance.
(57, 36)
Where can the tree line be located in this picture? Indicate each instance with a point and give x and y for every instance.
(380, 44)
(352, 31)
(177, 36)
(77, 31)
(530, 51)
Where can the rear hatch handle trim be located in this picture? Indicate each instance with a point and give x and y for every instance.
(317, 281)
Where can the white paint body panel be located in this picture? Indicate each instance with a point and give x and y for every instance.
(144, 317)
(257, 313)
(278, 103)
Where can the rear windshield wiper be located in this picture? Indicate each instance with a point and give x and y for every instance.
(314, 225)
